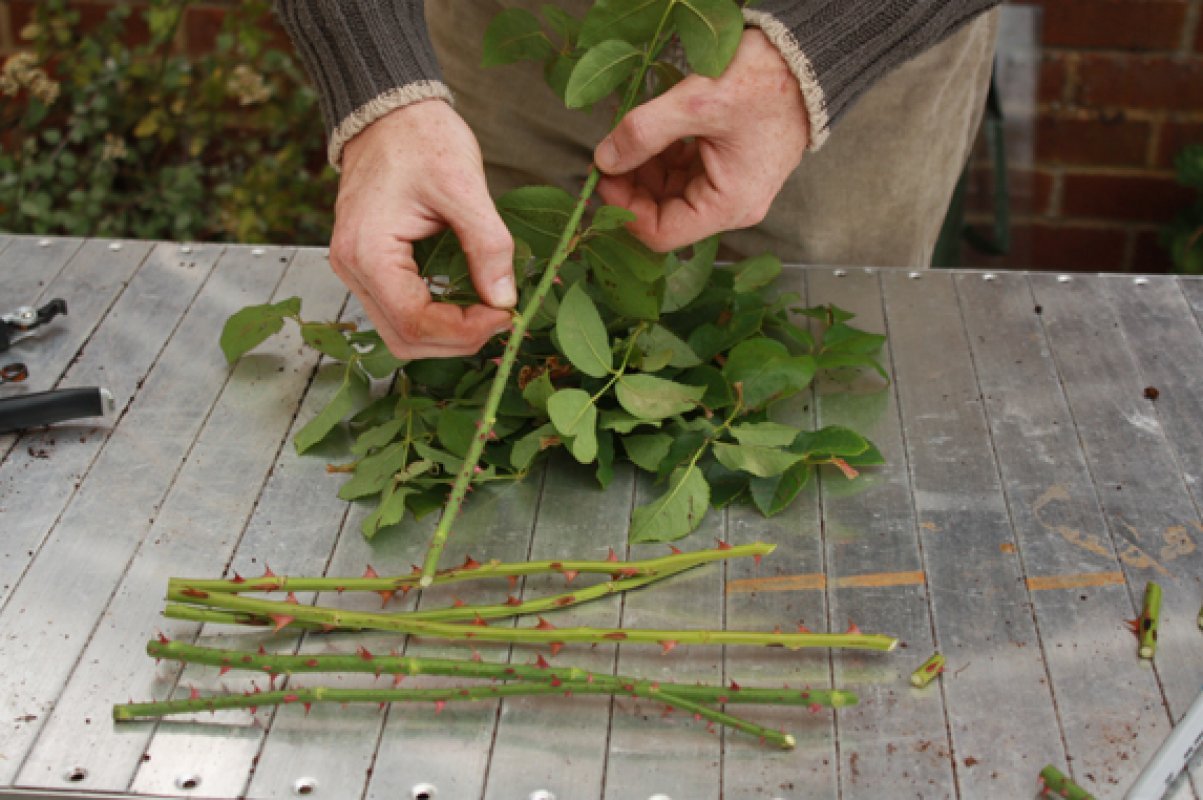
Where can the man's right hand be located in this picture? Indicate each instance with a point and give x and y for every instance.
(407, 176)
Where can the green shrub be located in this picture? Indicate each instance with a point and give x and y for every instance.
(102, 138)
(1184, 237)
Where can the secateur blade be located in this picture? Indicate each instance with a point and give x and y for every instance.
(26, 319)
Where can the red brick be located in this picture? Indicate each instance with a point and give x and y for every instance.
(1150, 255)
(1173, 138)
(1128, 198)
(91, 15)
(1092, 139)
(1141, 82)
(1058, 247)
(1114, 24)
(1054, 75)
(201, 27)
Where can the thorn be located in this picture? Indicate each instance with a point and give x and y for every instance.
(308, 707)
(193, 694)
(815, 708)
(237, 578)
(163, 639)
(480, 622)
(458, 603)
(612, 556)
(313, 662)
(513, 580)
(676, 551)
(721, 545)
(853, 628)
(224, 669)
(397, 678)
(569, 574)
(291, 698)
(512, 601)
(370, 572)
(364, 653)
(262, 650)
(556, 647)
(470, 563)
(544, 625)
(439, 705)
(735, 687)
(385, 596)
(1133, 625)
(267, 572)
(555, 681)
(803, 629)
(668, 645)
(292, 599)
(541, 662)
(757, 558)
(282, 621)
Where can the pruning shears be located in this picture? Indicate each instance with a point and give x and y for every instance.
(42, 408)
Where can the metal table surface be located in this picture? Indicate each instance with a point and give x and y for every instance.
(1031, 492)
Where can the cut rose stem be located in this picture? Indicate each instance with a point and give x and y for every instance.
(362, 661)
(472, 570)
(488, 416)
(544, 634)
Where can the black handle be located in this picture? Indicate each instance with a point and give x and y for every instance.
(47, 408)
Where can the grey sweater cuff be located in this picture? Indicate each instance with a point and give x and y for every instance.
(838, 50)
(365, 58)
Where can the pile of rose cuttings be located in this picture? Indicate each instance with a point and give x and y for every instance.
(236, 601)
(618, 353)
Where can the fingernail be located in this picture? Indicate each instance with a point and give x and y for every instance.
(606, 155)
(503, 291)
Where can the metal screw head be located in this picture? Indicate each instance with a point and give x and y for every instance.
(185, 249)
(989, 276)
(423, 791)
(1064, 279)
(659, 797)
(914, 275)
(1141, 281)
(304, 786)
(45, 242)
(115, 245)
(541, 794)
(839, 273)
(257, 251)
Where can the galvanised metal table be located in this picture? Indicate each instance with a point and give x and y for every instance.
(1031, 492)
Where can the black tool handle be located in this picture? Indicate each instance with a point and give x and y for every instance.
(47, 408)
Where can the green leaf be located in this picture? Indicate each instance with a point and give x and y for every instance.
(622, 289)
(649, 397)
(515, 35)
(768, 434)
(719, 393)
(677, 512)
(250, 327)
(833, 440)
(456, 427)
(761, 461)
(440, 374)
(582, 334)
(530, 445)
(658, 338)
(600, 71)
(605, 459)
(390, 511)
(772, 495)
(647, 450)
(350, 397)
(710, 31)
(610, 218)
(871, 457)
(767, 371)
(568, 26)
(573, 413)
(619, 421)
(754, 273)
(379, 362)
(537, 215)
(327, 338)
(538, 391)
(844, 360)
(686, 279)
(449, 463)
(843, 338)
(378, 436)
(634, 21)
(726, 485)
(619, 249)
(374, 472)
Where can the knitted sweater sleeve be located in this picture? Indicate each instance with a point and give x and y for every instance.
(839, 48)
(366, 58)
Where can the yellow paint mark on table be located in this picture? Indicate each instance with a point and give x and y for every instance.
(817, 580)
(1075, 580)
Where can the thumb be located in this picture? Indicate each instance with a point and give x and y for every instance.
(646, 131)
(487, 245)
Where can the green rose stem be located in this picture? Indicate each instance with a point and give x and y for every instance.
(471, 570)
(1150, 621)
(284, 613)
(397, 666)
(1055, 782)
(488, 415)
(440, 696)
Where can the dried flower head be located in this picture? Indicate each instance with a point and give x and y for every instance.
(248, 86)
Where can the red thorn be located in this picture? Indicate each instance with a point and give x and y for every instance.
(328, 626)
(292, 599)
(614, 635)
(397, 680)
(815, 708)
(414, 569)
(558, 281)
(668, 645)
(803, 629)
(385, 596)
(281, 621)
(190, 592)
(612, 556)
(1133, 625)
(380, 706)
(308, 708)
(556, 647)
(628, 572)
(722, 698)
(544, 625)
(569, 574)
(291, 698)
(676, 551)
(458, 603)
(364, 653)
(721, 545)
(312, 662)
(224, 669)
(193, 694)
(541, 662)
(555, 681)
(370, 572)
(853, 628)
(470, 563)
(267, 572)
(496, 360)
(512, 601)
(735, 687)
(513, 580)
(756, 558)
(566, 601)
(439, 705)
(163, 639)
(480, 622)
(237, 579)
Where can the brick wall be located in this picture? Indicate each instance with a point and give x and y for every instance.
(1120, 93)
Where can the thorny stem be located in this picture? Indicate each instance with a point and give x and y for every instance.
(364, 662)
(285, 613)
(321, 694)
(564, 247)
(472, 570)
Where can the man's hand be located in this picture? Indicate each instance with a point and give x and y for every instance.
(408, 176)
(710, 154)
